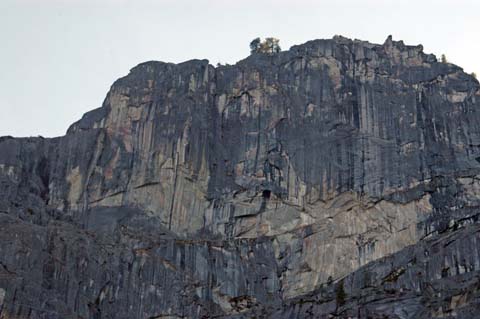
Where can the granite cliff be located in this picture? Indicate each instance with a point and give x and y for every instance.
(337, 179)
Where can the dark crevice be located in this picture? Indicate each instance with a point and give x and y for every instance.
(266, 194)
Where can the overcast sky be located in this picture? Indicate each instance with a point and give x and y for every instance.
(58, 58)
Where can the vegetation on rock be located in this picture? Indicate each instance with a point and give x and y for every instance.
(268, 46)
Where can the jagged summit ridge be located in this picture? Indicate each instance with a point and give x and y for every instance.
(395, 52)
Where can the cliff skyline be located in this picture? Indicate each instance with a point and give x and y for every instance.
(338, 178)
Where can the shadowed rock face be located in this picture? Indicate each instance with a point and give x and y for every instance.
(340, 178)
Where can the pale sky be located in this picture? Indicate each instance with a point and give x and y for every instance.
(58, 58)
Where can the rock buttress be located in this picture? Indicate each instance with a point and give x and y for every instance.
(245, 185)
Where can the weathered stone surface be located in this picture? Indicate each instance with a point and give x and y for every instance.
(437, 278)
(256, 189)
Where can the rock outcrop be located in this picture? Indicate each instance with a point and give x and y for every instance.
(337, 179)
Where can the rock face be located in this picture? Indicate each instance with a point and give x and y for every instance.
(337, 179)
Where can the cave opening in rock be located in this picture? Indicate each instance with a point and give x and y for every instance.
(266, 194)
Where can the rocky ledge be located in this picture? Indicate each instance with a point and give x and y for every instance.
(337, 179)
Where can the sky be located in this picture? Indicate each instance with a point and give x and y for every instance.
(58, 58)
